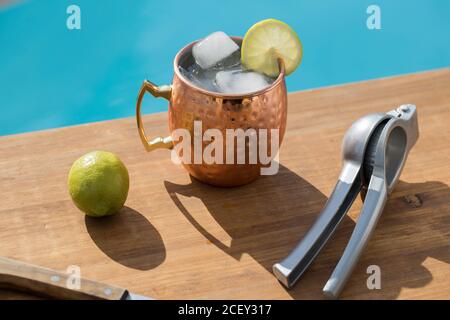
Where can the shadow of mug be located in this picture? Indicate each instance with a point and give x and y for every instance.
(264, 219)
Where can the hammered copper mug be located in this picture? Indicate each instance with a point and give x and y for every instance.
(263, 109)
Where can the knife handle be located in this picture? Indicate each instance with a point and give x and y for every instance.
(54, 284)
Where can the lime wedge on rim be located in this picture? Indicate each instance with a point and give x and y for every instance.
(265, 42)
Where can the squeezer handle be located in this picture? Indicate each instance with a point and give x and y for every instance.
(290, 269)
(374, 203)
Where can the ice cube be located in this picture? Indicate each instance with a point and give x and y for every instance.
(199, 77)
(238, 81)
(233, 61)
(213, 49)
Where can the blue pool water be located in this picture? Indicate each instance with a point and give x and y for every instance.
(51, 76)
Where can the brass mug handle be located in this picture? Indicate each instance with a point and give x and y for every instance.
(164, 91)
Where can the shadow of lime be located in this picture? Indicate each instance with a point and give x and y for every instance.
(128, 238)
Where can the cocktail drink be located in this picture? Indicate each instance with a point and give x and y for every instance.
(216, 66)
(228, 104)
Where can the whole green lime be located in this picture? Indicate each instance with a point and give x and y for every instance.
(98, 183)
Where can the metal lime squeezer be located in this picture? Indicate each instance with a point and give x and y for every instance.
(374, 152)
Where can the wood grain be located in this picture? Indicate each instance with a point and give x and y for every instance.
(179, 239)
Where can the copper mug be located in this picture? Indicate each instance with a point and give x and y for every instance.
(263, 109)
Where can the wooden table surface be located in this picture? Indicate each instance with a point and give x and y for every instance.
(179, 239)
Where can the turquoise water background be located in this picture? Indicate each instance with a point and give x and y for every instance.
(51, 76)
